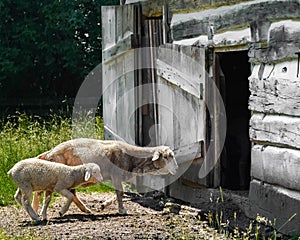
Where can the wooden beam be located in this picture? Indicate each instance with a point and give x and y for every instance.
(275, 129)
(275, 202)
(277, 166)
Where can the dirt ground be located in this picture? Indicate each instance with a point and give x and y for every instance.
(152, 217)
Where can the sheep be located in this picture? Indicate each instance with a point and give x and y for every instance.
(35, 175)
(118, 161)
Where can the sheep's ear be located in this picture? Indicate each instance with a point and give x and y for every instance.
(155, 156)
(87, 175)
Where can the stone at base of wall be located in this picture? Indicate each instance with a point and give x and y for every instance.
(275, 202)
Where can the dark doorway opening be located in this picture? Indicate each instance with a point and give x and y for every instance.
(234, 86)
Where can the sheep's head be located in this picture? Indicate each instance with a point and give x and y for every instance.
(92, 173)
(164, 161)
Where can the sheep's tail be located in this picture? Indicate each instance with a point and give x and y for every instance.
(43, 155)
(9, 173)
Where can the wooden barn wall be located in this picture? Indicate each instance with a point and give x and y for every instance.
(274, 85)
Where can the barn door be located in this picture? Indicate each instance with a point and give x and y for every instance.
(181, 107)
(119, 37)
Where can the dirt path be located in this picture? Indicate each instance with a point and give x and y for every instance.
(146, 219)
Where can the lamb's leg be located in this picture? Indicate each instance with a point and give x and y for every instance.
(26, 204)
(36, 200)
(120, 192)
(46, 202)
(18, 196)
(65, 208)
(71, 197)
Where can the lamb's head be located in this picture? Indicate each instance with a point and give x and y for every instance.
(164, 161)
(92, 174)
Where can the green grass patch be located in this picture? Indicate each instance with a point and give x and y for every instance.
(101, 188)
(23, 136)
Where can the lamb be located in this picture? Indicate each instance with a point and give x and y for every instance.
(35, 175)
(118, 161)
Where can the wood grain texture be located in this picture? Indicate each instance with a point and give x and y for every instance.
(118, 72)
(187, 25)
(275, 129)
(275, 89)
(275, 202)
(180, 95)
(277, 166)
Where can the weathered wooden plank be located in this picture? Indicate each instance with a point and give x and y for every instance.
(275, 129)
(176, 107)
(274, 202)
(108, 21)
(187, 25)
(119, 48)
(110, 134)
(283, 41)
(279, 166)
(189, 152)
(183, 66)
(178, 78)
(180, 96)
(275, 89)
(153, 8)
(118, 95)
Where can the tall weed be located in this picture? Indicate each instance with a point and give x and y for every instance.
(23, 136)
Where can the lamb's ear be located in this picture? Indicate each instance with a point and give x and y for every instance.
(155, 156)
(87, 175)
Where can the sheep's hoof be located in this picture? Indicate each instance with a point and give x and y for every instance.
(43, 222)
(88, 211)
(122, 211)
(61, 214)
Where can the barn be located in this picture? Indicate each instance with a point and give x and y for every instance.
(219, 82)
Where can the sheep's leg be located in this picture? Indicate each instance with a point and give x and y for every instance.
(26, 204)
(108, 202)
(120, 192)
(36, 200)
(18, 196)
(71, 197)
(46, 202)
(65, 208)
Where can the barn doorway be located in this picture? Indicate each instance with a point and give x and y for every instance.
(234, 70)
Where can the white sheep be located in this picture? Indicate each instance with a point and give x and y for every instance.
(118, 161)
(33, 175)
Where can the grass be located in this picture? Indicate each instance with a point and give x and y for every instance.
(23, 136)
(254, 230)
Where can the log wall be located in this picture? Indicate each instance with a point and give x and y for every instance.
(270, 30)
(275, 127)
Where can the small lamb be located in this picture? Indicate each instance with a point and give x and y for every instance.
(35, 175)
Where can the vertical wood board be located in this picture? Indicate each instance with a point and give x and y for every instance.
(118, 71)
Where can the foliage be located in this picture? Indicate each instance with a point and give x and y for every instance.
(24, 136)
(48, 47)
